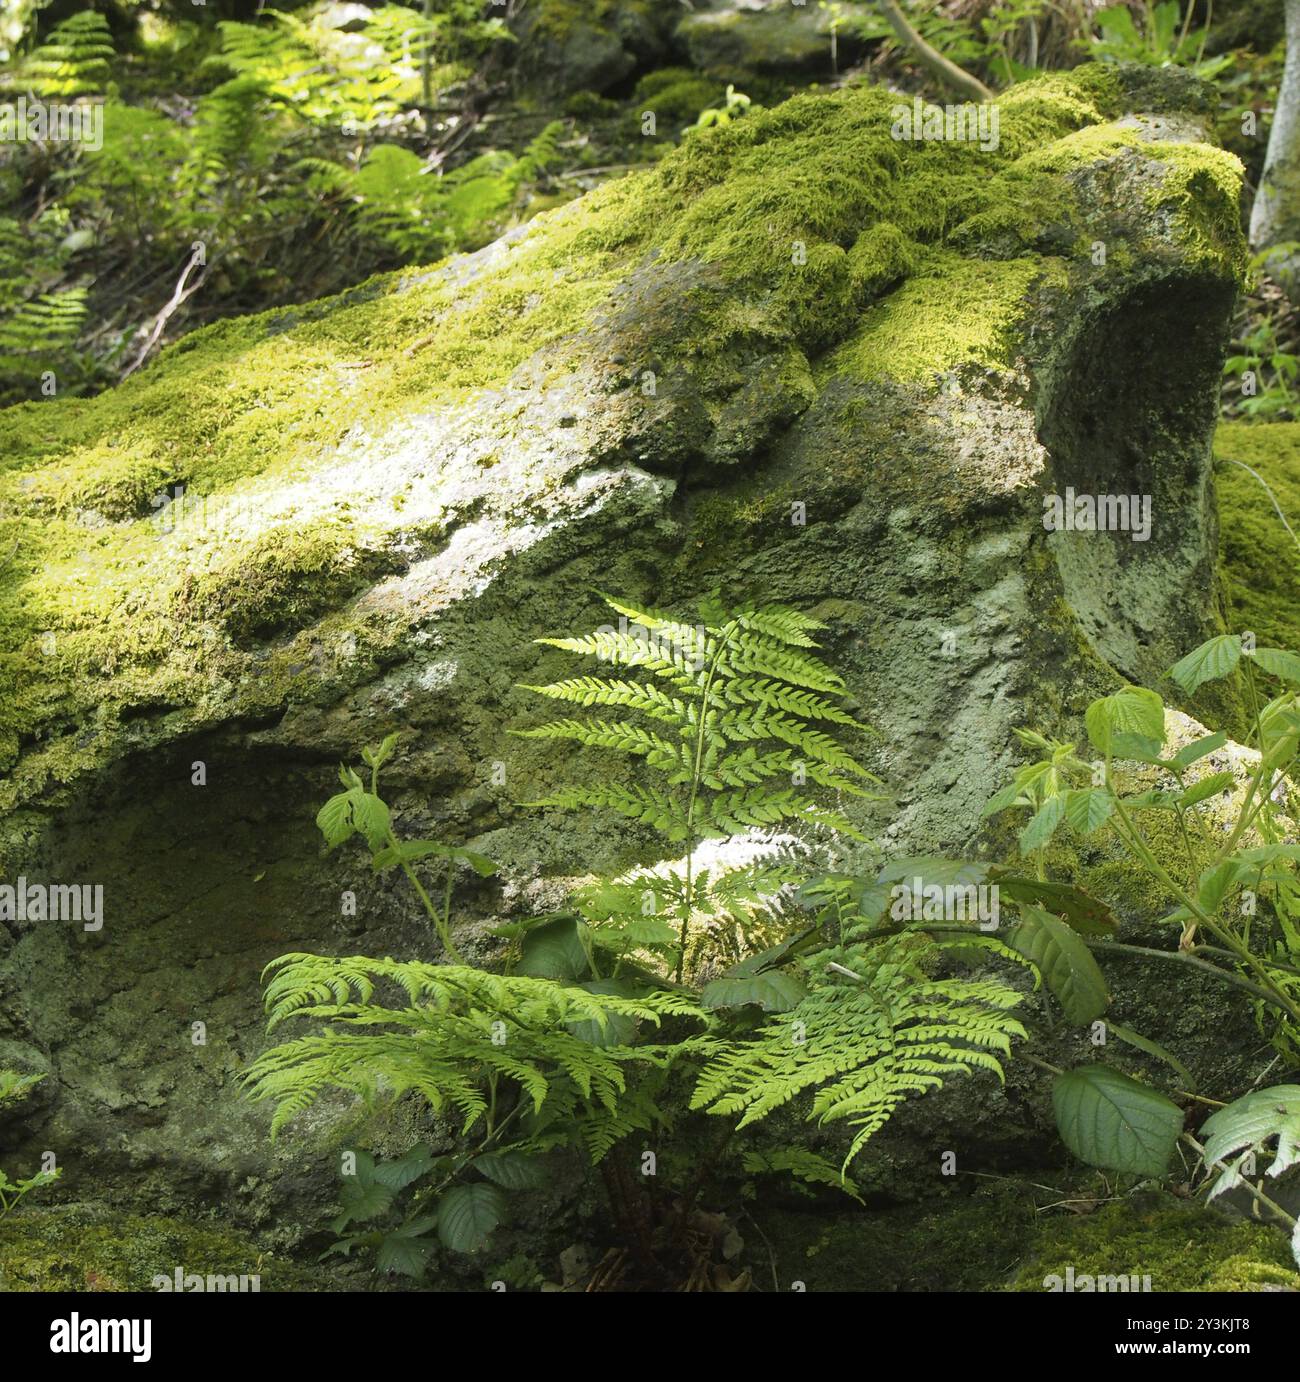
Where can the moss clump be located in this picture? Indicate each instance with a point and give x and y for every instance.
(81, 1249)
(772, 240)
(1260, 564)
(676, 95)
(1180, 1246)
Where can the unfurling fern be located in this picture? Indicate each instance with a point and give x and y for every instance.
(459, 1032)
(873, 1029)
(733, 715)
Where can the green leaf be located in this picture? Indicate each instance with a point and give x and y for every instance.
(1251, 1121)
(1280, 663)
(1207, 787)
(512, 1170)
(1131, 720)
(1215, 658)
(467, 1215)
(1111, 1121)
(554, 951)
(1198, 749)
(773, 991)
(360, 1199)
(1065, 963)
(1043, 825)
(409, 851)
(634, 931)
(619, 1029)
(1152, 1048)
(404, 1250)
(1215, 884)
(1088, 809)
(1084, 913)
(351, 812)
(397, 1175)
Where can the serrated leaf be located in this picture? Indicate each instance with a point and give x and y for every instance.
(1251, 1121)
(1043, 825)
(1119, 723)
(467, 1215)
(1279, 662)
(1215, 658)
(1207, 787)
(1088, 809)
(361, 1199)
(405, 1252)
(511, 1170)
(397, 1175)
(773, 991)
(1198, 749)
(1111, 1121)
(1215, 884)
(1065, 962)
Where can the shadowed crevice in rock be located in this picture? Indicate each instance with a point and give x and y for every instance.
(1128, 414)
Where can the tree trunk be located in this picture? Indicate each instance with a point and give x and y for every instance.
(1275, 217)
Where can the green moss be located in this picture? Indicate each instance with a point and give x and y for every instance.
(960, 311)
(789, 228)
(81, 1249)
(1180, 1246)
(676, 95)
(1259, 561)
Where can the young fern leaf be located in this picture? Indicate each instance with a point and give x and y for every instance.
(749, 678)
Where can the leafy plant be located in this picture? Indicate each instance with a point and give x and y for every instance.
(732, 716)
(1226, 870)
(1164, 38)
(13, 1086)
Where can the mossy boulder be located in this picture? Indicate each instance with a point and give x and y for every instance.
(801, 359)
(742, 38)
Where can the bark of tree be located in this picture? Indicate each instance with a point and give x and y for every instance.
(1275, 216)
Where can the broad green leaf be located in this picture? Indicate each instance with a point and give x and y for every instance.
(1043, 825)
(634, 931)
(1154, 799)
(774, 992)
(1215, 658)
(1111, 1121)
(511, 1169)
(403, 1252)
(1198, 749)
(554, 951)
(1215, 883)
(409, 851)
(397, 1175)
(1152, 1048)
(1085, 914)
(1065, 963)
(1251, 1121)
(361, 1199)
(1280, 663)
(933, 869)
(618, 1029)
(1207, 787)
(1125, 720)
(350, 812)
(1268, 854)
(1088, 809)
(467, 1215)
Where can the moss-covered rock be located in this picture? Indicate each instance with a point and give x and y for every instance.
(801, 358)
(1261, 560)
(84, 1248)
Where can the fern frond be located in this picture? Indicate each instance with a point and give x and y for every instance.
(864, 1046)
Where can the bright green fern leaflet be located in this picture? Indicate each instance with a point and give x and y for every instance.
(874, 1028)
(731, 713)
